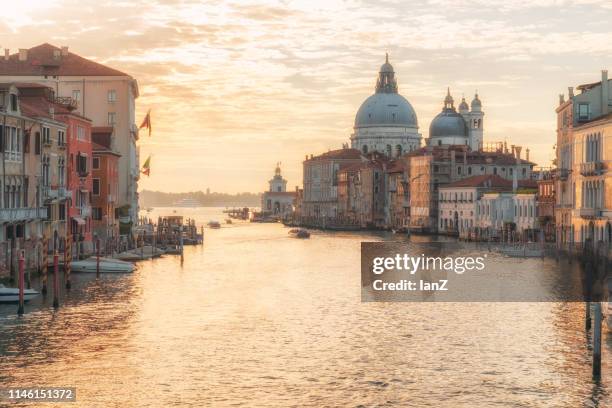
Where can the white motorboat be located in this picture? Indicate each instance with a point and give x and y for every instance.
(107, 265)
(11, 295)
(522, 252)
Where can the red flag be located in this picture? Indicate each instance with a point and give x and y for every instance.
(146, 167)
(146, 123)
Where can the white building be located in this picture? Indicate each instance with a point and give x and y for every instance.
(277, 200)
(458, 202)
(386, 121)
(498, 213)
(465, 127)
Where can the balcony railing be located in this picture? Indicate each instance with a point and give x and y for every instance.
(585, 212)
(22, 214)
(58, 193)
(561, 174)
(591, 168)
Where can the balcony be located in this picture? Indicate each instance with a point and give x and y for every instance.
(591, 168)
(57, 193)
(47, 142)
(585, 212)
(561, 174)
(86, 211)
(61, 145)
(22, 214)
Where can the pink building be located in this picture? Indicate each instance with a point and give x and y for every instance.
(80, 181)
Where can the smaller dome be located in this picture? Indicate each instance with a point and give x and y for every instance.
(463, 106)
(448, 123)
(476, 102)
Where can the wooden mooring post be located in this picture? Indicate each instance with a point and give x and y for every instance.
(597, 341)
(55, 280)
(45, 265)
(68, 261)
(20, 308)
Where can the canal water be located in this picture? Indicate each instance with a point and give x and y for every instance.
(255, 318)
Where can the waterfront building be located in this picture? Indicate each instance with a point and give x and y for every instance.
(397, 208)
(49, 134)
(386, 122)
(320, 201)
(545, 203)
(33, 179)
(105, 185)
(465, 127)
(103, 94)
(277, 201)
(507, 215)
(362, 193)
(582, 207)
(458, 201)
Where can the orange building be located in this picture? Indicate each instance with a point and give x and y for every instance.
(105, 191)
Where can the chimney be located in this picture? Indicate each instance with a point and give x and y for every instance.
(56, 54)
(570, 92)
(23, 54)
(561, 99)
(64, 51)
(52, 112)
(527, 154)
(513, 155)
(518, 153)
(605, 92)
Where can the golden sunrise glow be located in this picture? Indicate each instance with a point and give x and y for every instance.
(235, 87)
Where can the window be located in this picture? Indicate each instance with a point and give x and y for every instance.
(96, 213)
(96, 187)
(14, 102)
(112, 118)
(76, 95)
(61, 138)
(82, 165)
(95, 164)
(583, 111)
(112, 96)
(46, 136)
(81, 134)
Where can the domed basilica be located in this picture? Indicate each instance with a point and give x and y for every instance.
(386, 122)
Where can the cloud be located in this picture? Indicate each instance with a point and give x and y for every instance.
(243, 84)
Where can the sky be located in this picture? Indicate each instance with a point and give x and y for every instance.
(236, 86)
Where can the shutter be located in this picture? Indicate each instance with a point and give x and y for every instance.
(26, 142)
(37, 143)
(1, 138)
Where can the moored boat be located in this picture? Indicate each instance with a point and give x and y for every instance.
(107, 265)
(214, 224)
(11, 295)
(302, 233)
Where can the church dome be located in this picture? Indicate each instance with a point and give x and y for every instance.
(386, 109)
(448, 122)
(463, 106)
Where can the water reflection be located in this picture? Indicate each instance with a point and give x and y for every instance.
(254, 317)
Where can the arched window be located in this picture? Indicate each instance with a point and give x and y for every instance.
(364, 149)
(389, 150)
(398, 149)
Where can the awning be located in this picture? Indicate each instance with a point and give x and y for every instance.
(79, 220)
